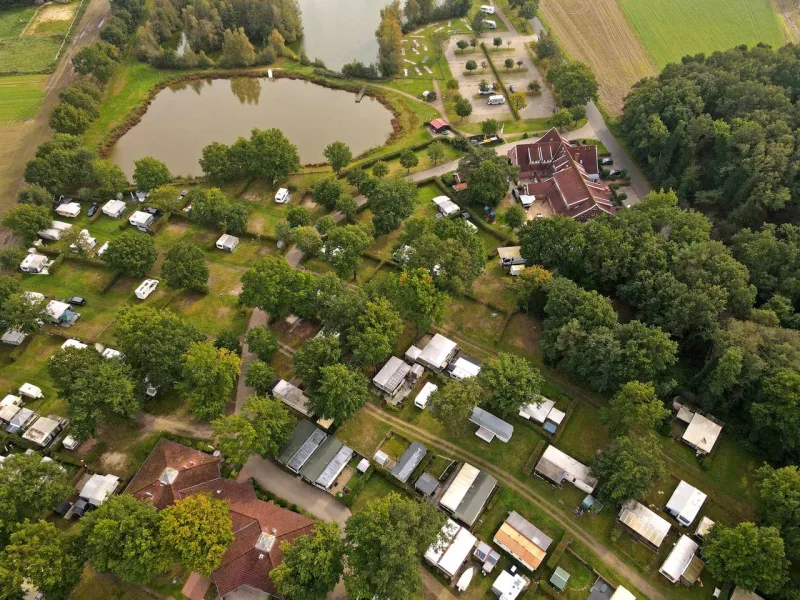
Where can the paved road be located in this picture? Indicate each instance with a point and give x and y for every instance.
(551, 509)
(292, 489)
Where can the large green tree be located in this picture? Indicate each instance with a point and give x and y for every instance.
(628, 468)
(452, 404)
(338, 155)
(778, 504)
(384, 543)
(340, 392)
(272, 285)
(131, 253)
(123, 537)
(413, 292)
(208, 378)
(375, 332)
(26, 220)
(261, 428)
(262, 342)
(776, 415)
(313, 356)
(29, 486)
(312, 564)
(185, 268)
(635, 406)
(510, 381)
(150, 173)
(344, 246)
(327, 191)
(389, 35)
(392, 201)
(574, 82)
(271, 155)
(197, 530)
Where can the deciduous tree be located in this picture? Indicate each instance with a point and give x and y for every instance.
(327, 192)
(344, 246)
(574, 82)
(26, 220)
(29, 486)
(414, 294)
(208, 377)
(628, 467)
(150, 173)
(312, 564)
(452, 404)
(339, 393)
(308, 240)
(510, 382)
(262, 341)
(33, 193)
(339, 155)
(375, 332)
(392, 201)
(408, 160)
(261, 428)
(185, 268)
(463, 106)
(131, 253)
(260, 376)
(237, 51)
(435, 152)
(635, 406)
(316, 354)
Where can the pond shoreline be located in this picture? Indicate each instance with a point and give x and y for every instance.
(135, 116)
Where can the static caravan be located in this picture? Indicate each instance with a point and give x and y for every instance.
(71, 209)
(114, 208)
(282, 196)
(446, 206)
(486, 9)
(55, 231)
(146, 288)
(227, 242)
(496, 99)
(35, 264)
(141, 220)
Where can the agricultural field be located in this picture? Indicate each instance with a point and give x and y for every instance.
(598, 34)
(30, 39)
(671, 29)
(20, 97)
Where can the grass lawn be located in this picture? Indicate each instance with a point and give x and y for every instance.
(362, 433)
(377, 487)
(671, 29)
(584, 434)
(490, 286)
(21, 97)
(472, 319)
(450, 153)
(580, 577)
(413, 85)
(14, 19)
(438, 466)
(395, 446)
(97, 586)
(28, 54)
(31, 367)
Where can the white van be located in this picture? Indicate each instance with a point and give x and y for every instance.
(497, 99)
(489, 10)
(490, 24)
(282, 196)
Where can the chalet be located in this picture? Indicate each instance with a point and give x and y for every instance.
(114, 208)
(389, 380)
(174, 472)
(35, 264)
(683, 565)
(327, 462)
(43, 431)
(451, 549)
(557, 466)
(439, 126)
(292, 396)
(426, 485)
(303, 442)
(463, 367)
(468, 494)
(565, 175)
(685, 503)
(509, 585)
(523, 541)
(409, 461)
(701, 433)
(647, 525)
(544, 412)
(490, 426)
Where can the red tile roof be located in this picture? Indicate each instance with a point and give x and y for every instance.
(243, 563)
(438, 124)
(564, 174)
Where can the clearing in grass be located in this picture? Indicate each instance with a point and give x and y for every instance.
(671, 29)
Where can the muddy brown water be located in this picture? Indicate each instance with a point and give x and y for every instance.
(186, 117)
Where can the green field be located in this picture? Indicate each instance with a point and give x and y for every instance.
(28, 54)
(671, 29)
(14, 19)
(20, 97)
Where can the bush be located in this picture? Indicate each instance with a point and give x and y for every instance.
(555, 557)
(622, 196)
(533, 458)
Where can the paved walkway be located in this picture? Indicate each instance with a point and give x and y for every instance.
(292, 489)
(606, 555)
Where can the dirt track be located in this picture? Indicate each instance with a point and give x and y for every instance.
(597, 33)
(33, 132)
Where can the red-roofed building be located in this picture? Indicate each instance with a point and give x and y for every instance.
(439, 125)
(565, 175)
(173, 472)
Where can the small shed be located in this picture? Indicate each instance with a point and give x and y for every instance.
(446, 206)
(381, 458)
(227, 242)
(439, 125)
(703, 527)
(31, 391)
(70, 209)
(490, 426)
(114, 208)
(391, 376)
(412, 354)
(622, 593)
(409, 461)
(141, 220)
(426, 485)
(363, 465)
(559, 579)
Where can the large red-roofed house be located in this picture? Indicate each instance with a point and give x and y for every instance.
(173, 472)
(566, 175)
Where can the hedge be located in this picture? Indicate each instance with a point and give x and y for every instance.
(500, 81)
(555, 557)
(534, 458)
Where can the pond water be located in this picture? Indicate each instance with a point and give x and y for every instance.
(184, 118)
(340, 31)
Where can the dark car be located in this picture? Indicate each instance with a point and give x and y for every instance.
(615, 173)
(512, 88)
(606, 160)
(153, 211)
(76, 301)
(92, 210)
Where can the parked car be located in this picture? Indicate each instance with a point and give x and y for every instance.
(466, 215)
(92, 210)
(151, 210)
(77, 301)
(614, 173)
(512, 88)
(606, 160)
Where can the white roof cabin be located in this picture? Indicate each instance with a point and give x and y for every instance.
(446, 206)
(70, 209)
(510, 255)
(42, 432)
(450, 551)
(141, 220)
(537, 410)
(99, 488)
(622, 594)
(437, 353)
(463, 368)
(114, 208)
(685, 503)
(35, 263)
(557, 466)
(282, 196)
(11, 400)
(703, 527)
(392, 375)
(702, 434)
(227, 242)
(508, 586)
(421, 401)
(31, 391)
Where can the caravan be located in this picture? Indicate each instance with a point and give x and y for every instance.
(486, 9)
(490, 25)
(496, 99)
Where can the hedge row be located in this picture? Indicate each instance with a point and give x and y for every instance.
(500, 81)
(350, 496)
(533, 458)
(555, 557)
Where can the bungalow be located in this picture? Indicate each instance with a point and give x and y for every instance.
(544, 412)
(60, 313)
(21, 420)
(391, 377)
(70, 209)
(509, 585)
(490, 426)
(468, 494)
(141, 220)
(55, 231)
(326, 464)
(227, 242)
(446, 206)
(99, 488)
(114, 208)
(292, 396)
(685, 503)
(647, 525)
(43, 431)
(303, 442)
(73, 343)
(558, 467)
(510, 256)
(439, 126)
(173, 472)
(437, 353)
(31, 391)
(523, 541)
(36, 264)
(13, 337)
(701, 434)
(409, 461)
(451, 549)
(683, 565)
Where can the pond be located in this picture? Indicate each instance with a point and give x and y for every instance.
(340, 31)
(186, 117)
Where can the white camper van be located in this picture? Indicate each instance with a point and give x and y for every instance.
(486, 9)
(496, 99)
(490, 25)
